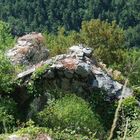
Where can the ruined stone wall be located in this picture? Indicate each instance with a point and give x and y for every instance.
(76, 71)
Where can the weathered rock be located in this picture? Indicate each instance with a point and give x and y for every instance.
(80, 51)
(76, 86)
(70, 63)
(26, 73)
(50, 74)
(28, 50)
(65, 84)
(68, 74)
(75, 49)
(37, 104)
(83, 69)
(87, 52)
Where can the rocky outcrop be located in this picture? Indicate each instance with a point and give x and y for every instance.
(28, 50)
(77, 71)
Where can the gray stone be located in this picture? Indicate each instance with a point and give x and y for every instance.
(49, 61)
(68, 74)
(83, 69)
(117, 87)
(59, 57)
(80, 51)
(75, 49)
(26, 73)
(80, 54)
(113, 88)
(65, 84)
(50, 74)
(57, 66)
(104, 81)
(95, 84)
(76, 85)
(127, 92)
(60, 73)
(87, 52)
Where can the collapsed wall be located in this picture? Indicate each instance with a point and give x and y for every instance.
(77, 71)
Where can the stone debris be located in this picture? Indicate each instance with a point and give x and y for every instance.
(26, 73)
(80, 51)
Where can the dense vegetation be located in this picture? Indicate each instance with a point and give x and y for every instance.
(41, 15)
(111, 28)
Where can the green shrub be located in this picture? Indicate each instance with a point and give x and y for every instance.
(6, 39)
(130, 107)
(60, 42)
(105, 109)
(6, 69)
(6, 74)
(136, 130)
(133, 63)
(33, 132)
(105, 38)
(73, 113)
(136, 90)
(39, 71)
(8, 112)
(129, 114)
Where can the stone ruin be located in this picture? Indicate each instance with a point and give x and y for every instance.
(76, 71)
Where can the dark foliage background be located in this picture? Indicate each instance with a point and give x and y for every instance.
(39, 15)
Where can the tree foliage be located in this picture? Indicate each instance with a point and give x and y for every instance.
(8, 112)
(114, 28)
(6, 74)
(39, 15)
(6, 39)
(6, 69)
(71, 112)
(105, 38)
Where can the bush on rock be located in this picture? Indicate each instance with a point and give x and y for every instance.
(73, 113)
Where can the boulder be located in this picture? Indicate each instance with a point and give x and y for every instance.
(80, 51)
(83, 69)
(28, 50)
